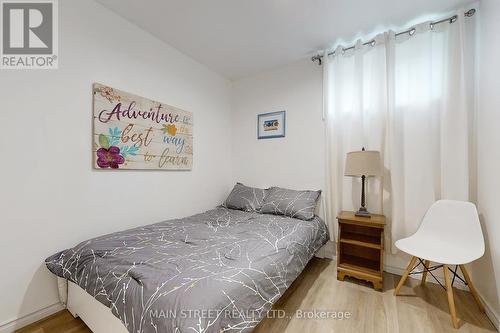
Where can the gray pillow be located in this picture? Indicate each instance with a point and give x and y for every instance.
(245, 198)
(296, 204)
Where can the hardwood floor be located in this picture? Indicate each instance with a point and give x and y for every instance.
(417, 309)
(61, 322)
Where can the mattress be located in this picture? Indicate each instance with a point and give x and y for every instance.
(219, 271)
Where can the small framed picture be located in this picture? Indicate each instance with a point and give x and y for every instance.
(271, 125)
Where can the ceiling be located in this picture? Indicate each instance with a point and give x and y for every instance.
(237, 38)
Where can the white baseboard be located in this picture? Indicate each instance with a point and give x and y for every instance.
(327, 251)
(10, 326)
(490, 312)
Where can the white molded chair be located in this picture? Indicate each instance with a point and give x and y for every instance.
(450, 234)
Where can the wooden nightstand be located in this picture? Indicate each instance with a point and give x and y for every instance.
(360, 248)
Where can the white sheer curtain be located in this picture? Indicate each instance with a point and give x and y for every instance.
(411, 98)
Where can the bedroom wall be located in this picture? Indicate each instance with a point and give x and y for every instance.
(297, 160)
(50, 196)
(486, 271)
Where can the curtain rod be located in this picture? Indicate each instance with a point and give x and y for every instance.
(410, 31)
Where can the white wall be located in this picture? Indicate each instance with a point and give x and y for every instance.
(296, 161)
(486, 271)
(50, 196)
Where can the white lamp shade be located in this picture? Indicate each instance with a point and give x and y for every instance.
(362, 163)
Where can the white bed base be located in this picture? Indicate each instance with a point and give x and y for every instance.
(97, 316)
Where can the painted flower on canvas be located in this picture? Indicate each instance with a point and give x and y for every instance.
(109, 94)
(169, 129)
(109, 158)
(109, 155)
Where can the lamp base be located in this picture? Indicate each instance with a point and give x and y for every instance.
(362, 212)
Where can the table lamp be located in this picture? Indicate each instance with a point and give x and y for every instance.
(362, 164)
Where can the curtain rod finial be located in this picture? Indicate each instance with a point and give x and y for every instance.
(317, 58)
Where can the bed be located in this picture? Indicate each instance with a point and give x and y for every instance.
(218, 271)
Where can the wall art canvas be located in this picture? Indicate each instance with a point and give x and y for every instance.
(271, 125)
(135, 133)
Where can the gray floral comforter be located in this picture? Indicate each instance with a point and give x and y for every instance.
(219, 271)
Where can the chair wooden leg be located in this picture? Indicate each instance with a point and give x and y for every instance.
(451, 301)
(405, 275)
(472, 289)
(424, 274)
